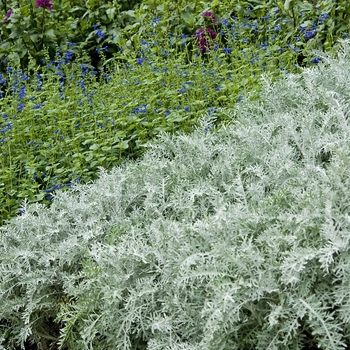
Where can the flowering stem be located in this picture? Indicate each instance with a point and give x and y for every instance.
(294, 20)
(43, 28)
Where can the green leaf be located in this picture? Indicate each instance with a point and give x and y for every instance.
(187, 17)
(50, 34)
(110, 13)
(287, 4)
(34, 37)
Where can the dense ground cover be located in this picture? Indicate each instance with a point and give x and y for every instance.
(63, 119)
(223, 221)
(231, 237)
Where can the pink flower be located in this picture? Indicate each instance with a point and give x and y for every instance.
(8, 15)
(205, 37)
(44, 3)
(208, 14)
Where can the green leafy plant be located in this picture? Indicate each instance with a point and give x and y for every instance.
(78, 26)
(231, 237)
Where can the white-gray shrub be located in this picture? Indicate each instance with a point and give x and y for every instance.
(237, 238)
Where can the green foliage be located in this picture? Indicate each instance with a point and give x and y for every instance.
(231, 237)
(31, 29)
(78, 21)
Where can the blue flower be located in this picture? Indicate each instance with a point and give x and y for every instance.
(68, 55)
(95, 26)
(2, 80)
(309, 34)
(183, 89)
(155, 21)
(224, 21)
(81, 84)
(323, 17)
(227, 49)
(22, 92)
(100, 33)
(140, 109)
(316, 60)
(21, 212)
(187, 108)
(20, 107)
(140, 60)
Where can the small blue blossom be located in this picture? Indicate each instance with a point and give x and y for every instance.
(224, 21)
(227, 50)
(81, 84)
(21, 211)
(309, 34)
(155, 21)
(264, 45)
(183, 89)
(2, 80)
(140, 60)
(140, 109)
(95, 26)
(20, 107)
(22, 92)
(68, 55)
(100, 33)
(323, 17)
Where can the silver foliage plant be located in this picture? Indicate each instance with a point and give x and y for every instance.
(233, 238)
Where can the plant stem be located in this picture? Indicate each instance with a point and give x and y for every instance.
(43, 29)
